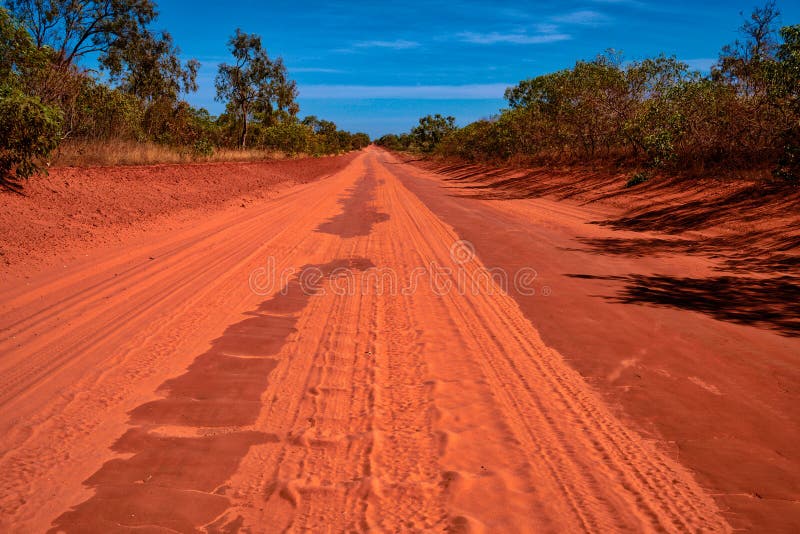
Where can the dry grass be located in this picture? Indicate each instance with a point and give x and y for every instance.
(123, 152)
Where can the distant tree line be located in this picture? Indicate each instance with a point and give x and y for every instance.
(48, 93)
(653, 113)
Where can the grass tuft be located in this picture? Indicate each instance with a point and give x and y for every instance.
(124, 152)
(638, 178)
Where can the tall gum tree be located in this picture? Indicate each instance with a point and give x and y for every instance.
(76, 28)
(254, 83)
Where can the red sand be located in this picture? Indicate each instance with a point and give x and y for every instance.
(58, 216)
(148, 386)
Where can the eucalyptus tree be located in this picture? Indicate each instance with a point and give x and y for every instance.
(77, 28)
(117, 35)
(744, 63)
(149, 67)
(254, 83)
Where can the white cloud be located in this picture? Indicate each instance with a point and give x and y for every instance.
(397, 44)
(315, 69)
(628, 2)
(516, 37)
(583, 18)
(422, 92)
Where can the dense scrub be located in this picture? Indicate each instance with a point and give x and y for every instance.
(49, 95)
(652, 113)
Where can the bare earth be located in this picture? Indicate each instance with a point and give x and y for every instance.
(334, 357)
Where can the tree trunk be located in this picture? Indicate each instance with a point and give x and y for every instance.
(244, 128)
(244, 134)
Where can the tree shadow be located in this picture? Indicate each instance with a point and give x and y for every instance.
(744, 205)
(668, 204)
(8, 183)
(358, 214)
(673, 206)
(174, 461)
(770, 303)
(769, 251)
(507, 183)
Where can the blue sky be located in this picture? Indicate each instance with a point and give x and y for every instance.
(379, 66)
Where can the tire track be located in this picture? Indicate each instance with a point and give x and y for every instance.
(133, 326)
(363, 408)
(603, 471)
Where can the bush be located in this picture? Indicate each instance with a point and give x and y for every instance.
(394, 142)
(29, 132)
(48, 94)
(288, 137)
(785, 77)
(652, 113)
(788, 168)
(202, 148)
(359, 140)
(638, 178)
(431, 130)
(100, 112)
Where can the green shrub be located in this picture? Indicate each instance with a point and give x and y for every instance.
(431, 130)
(785, 78)
(359, 140)
(100, 112)
(638, 178)
(288, 137)
(203, 148)
(651, 113)
(29, 132)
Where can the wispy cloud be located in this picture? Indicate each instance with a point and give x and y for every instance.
(583, 18)
(316, 69)
(551, 32)
(622, 2)
(656, 7)
(515, 37)
(421, 92)
(397, 44)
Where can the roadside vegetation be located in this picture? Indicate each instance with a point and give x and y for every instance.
(650, 115)
(92, 82)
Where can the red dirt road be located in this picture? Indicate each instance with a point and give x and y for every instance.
(347, 356)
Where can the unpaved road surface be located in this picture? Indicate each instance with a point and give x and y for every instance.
(372, 351)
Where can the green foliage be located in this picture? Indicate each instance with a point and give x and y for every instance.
(254, 83)
(288, 137)
(395, 142)
(203, 148)
(652, 113)
(149, 67)
(785, 86)
(15, 46)
(100, 112)
(29, 132)
(76, 28)
(431, 130)
(47, 96)
(359, 140)
(30, 129)
(327, 139)
(638, 178)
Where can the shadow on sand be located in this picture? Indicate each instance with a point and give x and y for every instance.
(677, 207)
(182, 448)
(358, 214)
(771, 303)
